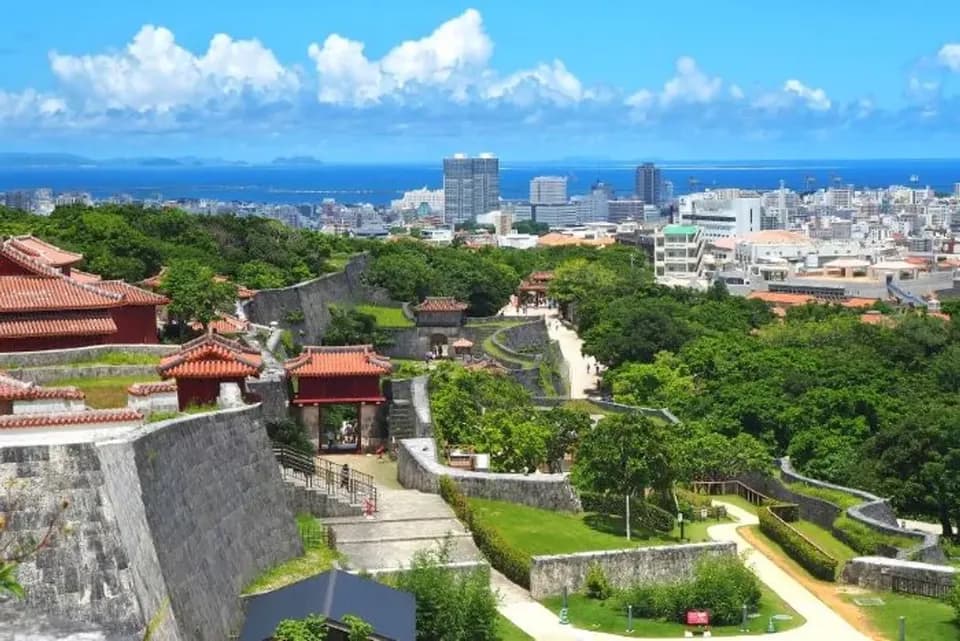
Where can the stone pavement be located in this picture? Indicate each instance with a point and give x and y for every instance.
(823, 624)
(408, 521)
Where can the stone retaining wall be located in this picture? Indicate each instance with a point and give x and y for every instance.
(660, 564)
(653, 412)
(880, 573)
(312, 299)
(418, 468)
(524, 340)
(301, 499)
(46, 375)
(9, 360)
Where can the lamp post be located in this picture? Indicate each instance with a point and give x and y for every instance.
(680, 521)
(743, 618)
(563, 611)
(630, 619)
(902, 633)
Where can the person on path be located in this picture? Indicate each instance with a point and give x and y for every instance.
(345, 476)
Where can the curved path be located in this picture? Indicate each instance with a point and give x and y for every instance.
(823, 624)
(582, 368)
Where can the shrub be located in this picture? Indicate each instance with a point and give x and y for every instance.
(815, 561)
(312, 628)
(596, 585)
(865, 540)
(643, 514)
(513, 563)
(291, 433)
(360, 630)
(720, 584)
(953, 598)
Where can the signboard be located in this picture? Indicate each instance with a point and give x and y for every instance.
(698, 617)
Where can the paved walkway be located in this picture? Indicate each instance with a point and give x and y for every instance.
(823, 624)
(582, 367)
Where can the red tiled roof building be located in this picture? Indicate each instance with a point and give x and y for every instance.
(441, 311)
(201, 365)
(534, 288)
(331, 375)
(46, 304)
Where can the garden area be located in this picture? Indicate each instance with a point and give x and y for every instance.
(387, 317)
(721, 585)
(106, 392)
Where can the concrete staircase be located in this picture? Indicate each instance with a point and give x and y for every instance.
(400, 420)
(407, 521)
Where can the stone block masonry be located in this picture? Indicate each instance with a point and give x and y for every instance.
(175, 518)
(418, 468)
(660, 564)
(48, 358)
(881, 573)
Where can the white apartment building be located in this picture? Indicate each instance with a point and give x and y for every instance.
(956, 189)
(517, 241)
(678, 255)
(560, 215)
(721, 217)
(594, 207)
(548, 190)
(414, 198)
(437, 236)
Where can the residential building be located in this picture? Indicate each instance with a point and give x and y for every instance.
(721, 217)
(517, 241)
(21, 199)
(649, 184)
(471, 186)
(413, 199)
(560, 215)
(548, 190)
(437, 236)
(502, 222)
(594, 207)
(678, 256)
(623, 209)
(842, 198)
(956, 190)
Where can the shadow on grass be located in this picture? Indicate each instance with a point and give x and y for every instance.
(614, 525)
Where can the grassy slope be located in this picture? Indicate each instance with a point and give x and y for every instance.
(386, 316)
(507, 631)
(927, 619)
(600, 616)
(827, 541)
(316, 559)
(536, 531)
(104, 393)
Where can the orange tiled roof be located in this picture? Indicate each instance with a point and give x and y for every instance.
(13, 389)
(212, 356)
(30, 262)
(84, 277)
(462, 342)
(36, 293)
(132, 295)
(782, 298)
(243, 293)
(47, 253)
(858, 302)
(92, 417)
(153, 282)
(440, 304)
(225, 324)
(876, 318)
(555, 239)
(541, 276)
(330, 361)
(65, 323)
(146, 389)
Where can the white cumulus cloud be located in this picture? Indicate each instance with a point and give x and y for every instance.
(794, 94)
(154, 73)
(689, 85)
(553, 82)
(949, 56)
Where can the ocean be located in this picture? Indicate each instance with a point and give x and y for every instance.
(379, 184)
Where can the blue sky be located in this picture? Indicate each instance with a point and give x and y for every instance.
(366, 81)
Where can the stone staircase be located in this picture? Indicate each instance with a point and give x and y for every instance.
(400, 419)
(407, 521)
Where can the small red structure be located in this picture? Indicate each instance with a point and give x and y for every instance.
(441, 311)
(534, 288)
(45, 303)
(330, 375)
(462, 347)
(204, 363)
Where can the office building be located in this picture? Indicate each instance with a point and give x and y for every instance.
(595, 206)
(548, 190)
(22, 200)
(649, 184)
(411, 200)
(956, 189)
(623, 209)
(720, 217)
(560, 215)
(471, 186)
(678, 256)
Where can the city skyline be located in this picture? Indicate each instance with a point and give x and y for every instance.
(424, 81)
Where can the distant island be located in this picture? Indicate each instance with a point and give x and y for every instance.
(296, 160)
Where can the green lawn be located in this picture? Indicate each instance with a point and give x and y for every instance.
(600, 616)
(507, 631)
(506, 322)
(583, 405)
(736, 500)
(104, 393)
(490, 348)
(386, 316)
(338, 261)
(838, 498)
(827, 541)
(927, 619)
(535, 531)
(316, 559)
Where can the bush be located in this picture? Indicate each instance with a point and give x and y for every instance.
(514, 564)
(596, 585)
(720, 584)
(360, 630)
(312, 628)
(867, 541)
(292, 434)
(643, 514)
(451, 605)
(953, 598)
(815, 561)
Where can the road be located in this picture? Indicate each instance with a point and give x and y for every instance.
(823, 624)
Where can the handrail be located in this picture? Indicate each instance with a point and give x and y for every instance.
(328, 477)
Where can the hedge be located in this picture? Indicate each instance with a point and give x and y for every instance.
(643, 514)
(867, 541)
(514, 564)
(817, 562)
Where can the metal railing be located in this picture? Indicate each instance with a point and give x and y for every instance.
(328, 477)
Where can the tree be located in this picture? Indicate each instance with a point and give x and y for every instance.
(664, 383)
(292, 433)
(311, 628)
(626, 454)
(709, 456)
(565, 429)
(636, 330)
(194, 293)
(360, 630)
(259, 274)
(353, 327)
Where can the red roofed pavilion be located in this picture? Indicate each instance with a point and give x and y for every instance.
(330, 375)
(535, 287)
(204, 363)
(46, 304)
(440, 311)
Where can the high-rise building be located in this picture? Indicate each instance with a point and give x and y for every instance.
(721, 217)
(471, 186)
(956, 189)
(548, 190)
(649, 184)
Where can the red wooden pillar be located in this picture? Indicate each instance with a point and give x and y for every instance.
(322, 432)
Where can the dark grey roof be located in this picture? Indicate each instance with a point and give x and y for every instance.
(333, 594)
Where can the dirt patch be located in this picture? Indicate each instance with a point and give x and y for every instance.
(829, 593)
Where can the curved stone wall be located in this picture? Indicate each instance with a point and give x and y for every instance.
(46, 358)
